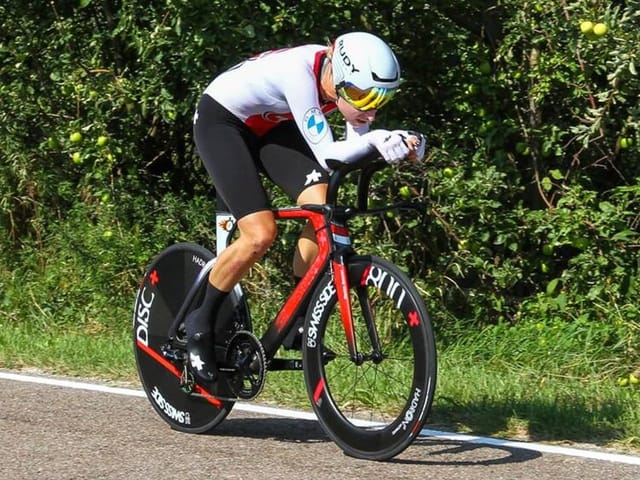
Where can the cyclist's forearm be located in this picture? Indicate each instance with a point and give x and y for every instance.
(346, 151)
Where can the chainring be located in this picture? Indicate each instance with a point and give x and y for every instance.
(246, 356)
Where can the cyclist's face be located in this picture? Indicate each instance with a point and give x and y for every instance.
(354, 116)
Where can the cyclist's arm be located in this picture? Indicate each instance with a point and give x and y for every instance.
(315, 128)
(353, 131)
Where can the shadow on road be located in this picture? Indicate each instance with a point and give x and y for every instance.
(433, 451)
(423, 451)
(280, 429)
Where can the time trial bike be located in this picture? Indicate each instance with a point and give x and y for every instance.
(367, 350)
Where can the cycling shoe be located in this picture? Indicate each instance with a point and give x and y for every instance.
(202, 360)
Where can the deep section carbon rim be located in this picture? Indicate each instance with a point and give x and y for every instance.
(373, 407)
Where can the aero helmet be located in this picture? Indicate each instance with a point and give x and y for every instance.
(366, 73)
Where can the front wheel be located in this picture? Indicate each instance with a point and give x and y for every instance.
(374, 405)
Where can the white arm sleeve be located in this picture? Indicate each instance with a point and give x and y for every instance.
(315, 129)
(345, 151)
(358, 131)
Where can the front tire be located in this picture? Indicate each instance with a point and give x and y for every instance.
(375, 409)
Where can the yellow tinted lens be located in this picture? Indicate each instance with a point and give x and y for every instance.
(370, 99)
(354, 94)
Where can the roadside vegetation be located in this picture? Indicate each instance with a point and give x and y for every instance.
(527, 255)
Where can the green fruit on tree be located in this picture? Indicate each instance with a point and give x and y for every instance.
(623, 381)
(586, 27)
(448, 172)
(75, 137)
(547, 249)
(76, 157)
(600, 29)
(625, 142)
(102, 141)
(544, 267)
(485, 68)
(522, 148)
(107, 234)
(633, 379)
(405, 192)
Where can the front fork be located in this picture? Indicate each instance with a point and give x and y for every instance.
(340, 271)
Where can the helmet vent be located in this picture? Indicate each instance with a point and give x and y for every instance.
(386, 80)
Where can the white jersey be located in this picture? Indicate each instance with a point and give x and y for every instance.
(283, 85)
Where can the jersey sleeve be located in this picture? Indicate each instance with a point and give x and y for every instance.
(314, 126)
(358, 131)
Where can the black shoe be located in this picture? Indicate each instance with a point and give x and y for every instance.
(202, 359)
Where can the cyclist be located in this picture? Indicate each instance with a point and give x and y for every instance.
(267, 116)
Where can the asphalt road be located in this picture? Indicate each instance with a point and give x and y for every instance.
(51, 432)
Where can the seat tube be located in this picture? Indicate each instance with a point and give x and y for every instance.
(225, 225)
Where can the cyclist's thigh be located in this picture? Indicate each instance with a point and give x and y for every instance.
(288, 161)
(225, 148)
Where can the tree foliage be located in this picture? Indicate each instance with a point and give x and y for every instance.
(532, 177)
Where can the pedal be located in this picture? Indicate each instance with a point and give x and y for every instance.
(173, 354)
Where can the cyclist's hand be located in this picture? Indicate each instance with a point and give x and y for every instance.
(416, 143)
(392, 146)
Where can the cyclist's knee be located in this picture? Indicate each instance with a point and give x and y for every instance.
(259, 231)
(262, 240)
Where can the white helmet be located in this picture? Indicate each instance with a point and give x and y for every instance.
(366, 73)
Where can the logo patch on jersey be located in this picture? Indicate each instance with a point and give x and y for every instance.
(276, 117)
(315, 125)
(313, 177)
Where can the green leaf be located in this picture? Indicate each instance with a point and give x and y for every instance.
(556, 174)
(552, 285)
(84, 3)
(546, 184)
(249, 31)
(624, 235)
(606, 207)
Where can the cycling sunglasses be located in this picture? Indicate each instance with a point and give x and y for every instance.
(363, 100)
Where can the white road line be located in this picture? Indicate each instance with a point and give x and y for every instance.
(280, 412)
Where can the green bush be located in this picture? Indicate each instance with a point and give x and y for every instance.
(531, 181)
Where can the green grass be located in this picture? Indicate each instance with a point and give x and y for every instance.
(483, 387)
(521, 403)
(85, 353)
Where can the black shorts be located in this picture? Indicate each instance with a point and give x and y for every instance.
(235, 158)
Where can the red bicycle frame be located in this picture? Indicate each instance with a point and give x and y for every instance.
(334, 244)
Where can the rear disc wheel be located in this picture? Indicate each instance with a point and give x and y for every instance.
(162, 292)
